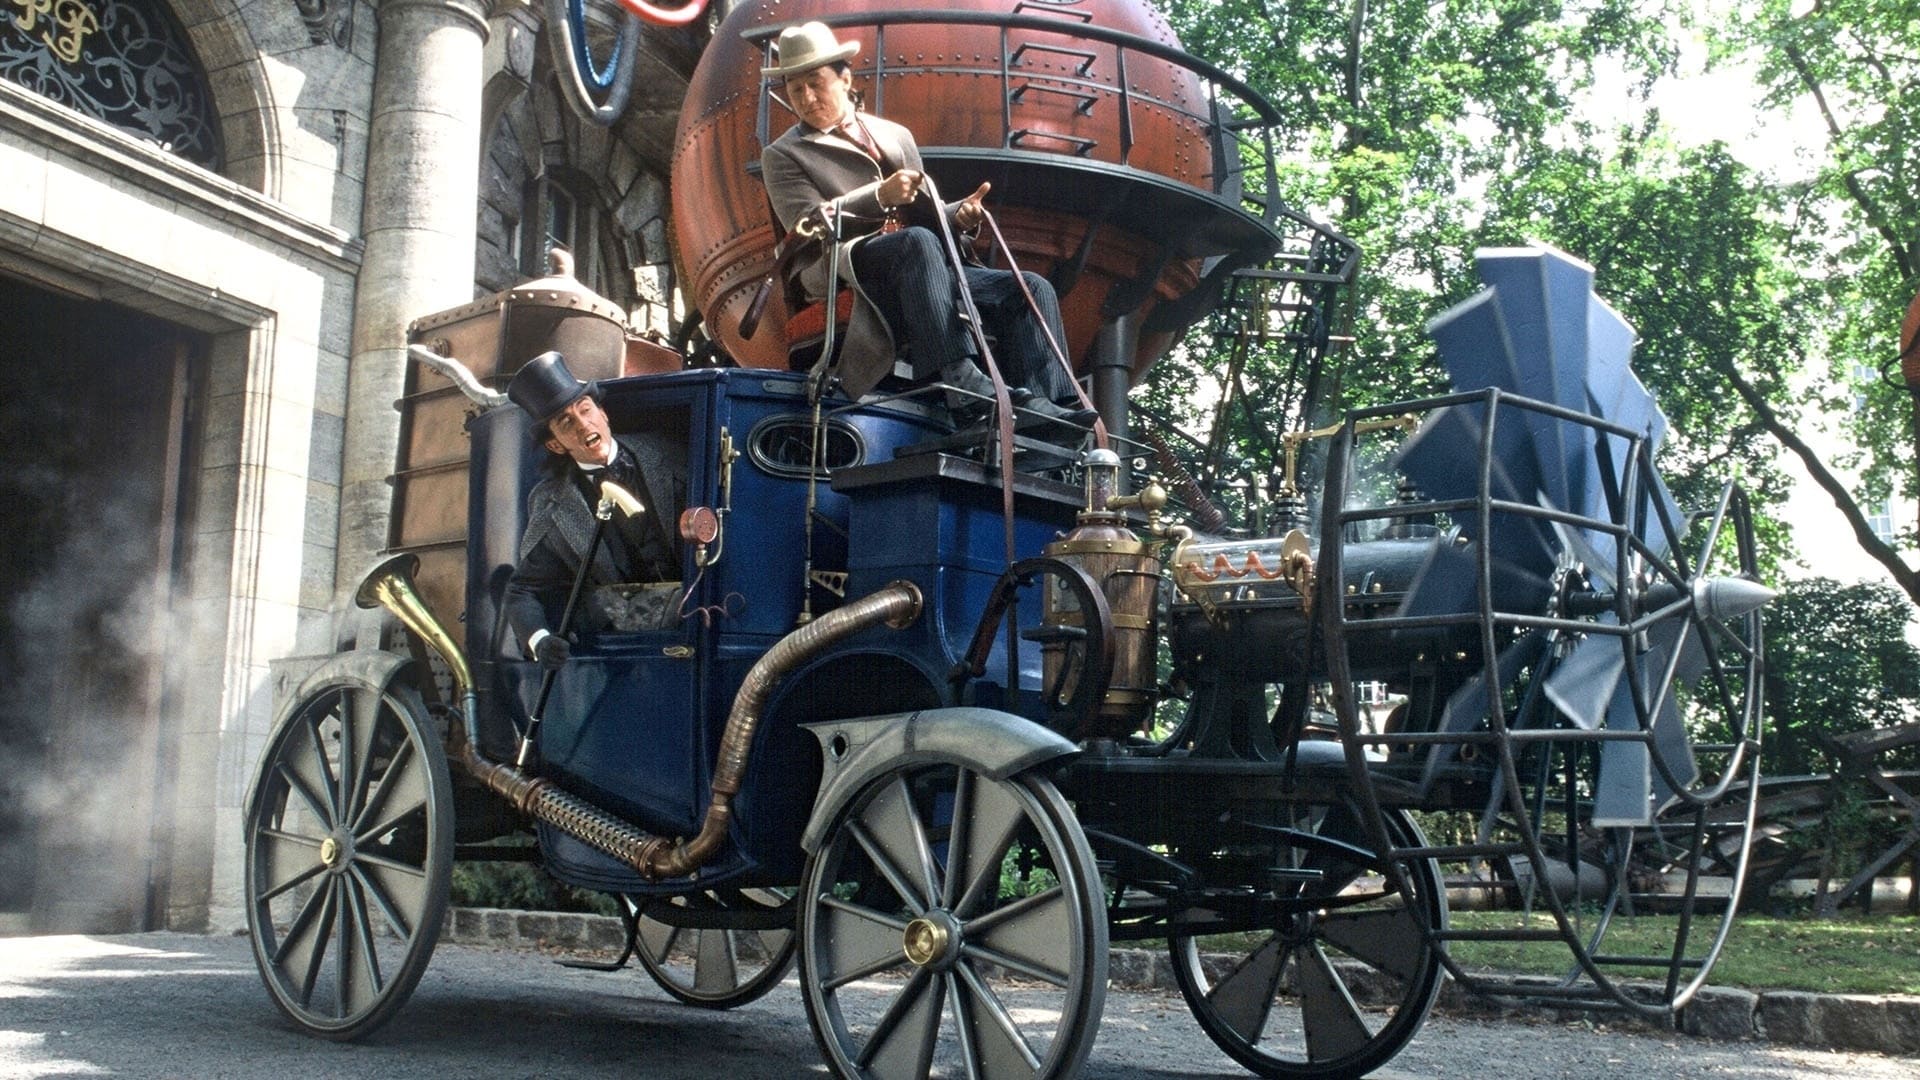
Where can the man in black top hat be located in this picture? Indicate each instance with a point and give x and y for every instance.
(570, 423)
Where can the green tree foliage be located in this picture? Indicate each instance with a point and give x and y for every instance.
(1837, 661)
(1684, 243)
(1399, 115)
(1854, 218)
(1424, 129)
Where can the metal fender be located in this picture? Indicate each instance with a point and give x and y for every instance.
(374, 667)
(994, 743)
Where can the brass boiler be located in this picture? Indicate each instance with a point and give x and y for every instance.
(1127, 571)
(943, 82)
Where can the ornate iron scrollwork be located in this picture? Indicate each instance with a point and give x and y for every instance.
(124, 62)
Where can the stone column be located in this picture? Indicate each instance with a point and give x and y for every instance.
(423, 187)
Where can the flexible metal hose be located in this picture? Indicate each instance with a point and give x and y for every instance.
(896, 605)
(655, 857)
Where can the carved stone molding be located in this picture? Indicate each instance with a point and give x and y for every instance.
(328, 22)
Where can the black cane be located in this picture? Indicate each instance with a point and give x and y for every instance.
(601, 514)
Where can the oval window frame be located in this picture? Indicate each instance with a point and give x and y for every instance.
(772, 465)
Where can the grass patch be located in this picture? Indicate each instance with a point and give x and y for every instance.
(1878, 955)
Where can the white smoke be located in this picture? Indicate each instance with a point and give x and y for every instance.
(83, 648)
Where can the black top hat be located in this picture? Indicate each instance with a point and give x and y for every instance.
(544, 388)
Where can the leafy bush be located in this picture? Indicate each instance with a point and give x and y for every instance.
(1838, 661)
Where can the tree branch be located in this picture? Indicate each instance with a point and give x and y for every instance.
(1835, 133)
(1903, 575)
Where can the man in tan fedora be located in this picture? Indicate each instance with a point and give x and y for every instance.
(869, 170)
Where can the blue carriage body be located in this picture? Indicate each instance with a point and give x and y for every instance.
(634, 722)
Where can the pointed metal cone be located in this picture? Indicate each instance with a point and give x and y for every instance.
(1623, 790)
(1582, 684)
(1729, 597)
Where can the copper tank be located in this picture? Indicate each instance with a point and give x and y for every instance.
(1096, 146)
(493, 336)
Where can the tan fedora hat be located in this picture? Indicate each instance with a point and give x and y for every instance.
(807, 46)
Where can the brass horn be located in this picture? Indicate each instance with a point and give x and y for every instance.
(390, 585)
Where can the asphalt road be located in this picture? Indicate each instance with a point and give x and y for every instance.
(171, 1005)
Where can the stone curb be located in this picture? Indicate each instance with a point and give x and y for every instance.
(1880, 1024)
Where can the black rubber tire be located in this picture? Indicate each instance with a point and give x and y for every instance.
(1344, 980)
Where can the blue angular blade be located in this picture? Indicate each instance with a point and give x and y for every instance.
(1623, 790)
(1582, 685)
(1473, 344)
(1628, 790)
(1613, 393)
(1656, 506)
(1670, 741)
(1676, 750)
(1543, 296)
(1466, 708)
(1447, 583)
(1442, 460)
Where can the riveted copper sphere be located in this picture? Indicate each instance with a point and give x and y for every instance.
(1063, 107)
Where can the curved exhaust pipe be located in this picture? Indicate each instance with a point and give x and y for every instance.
(390, 586)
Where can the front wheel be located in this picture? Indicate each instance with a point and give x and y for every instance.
(953, 925)
(349, 834)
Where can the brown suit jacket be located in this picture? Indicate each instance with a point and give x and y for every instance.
(804, 168)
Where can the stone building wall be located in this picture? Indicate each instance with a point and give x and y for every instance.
(262, 262)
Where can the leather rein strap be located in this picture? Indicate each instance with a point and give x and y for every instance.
(1002, 399)
(1059, 354)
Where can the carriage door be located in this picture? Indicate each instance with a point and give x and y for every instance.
(93, 403)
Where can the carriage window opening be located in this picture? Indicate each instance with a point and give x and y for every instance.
(783, 445)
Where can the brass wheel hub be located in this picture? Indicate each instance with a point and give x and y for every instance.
(330, 853)
(930, 939)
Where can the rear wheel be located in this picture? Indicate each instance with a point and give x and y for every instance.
(1338, 975)
(349, 835)
(717, 949)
